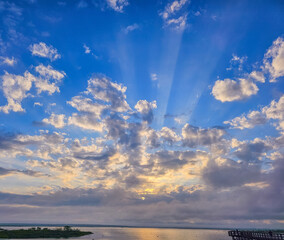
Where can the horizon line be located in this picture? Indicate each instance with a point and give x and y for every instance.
(126, 226)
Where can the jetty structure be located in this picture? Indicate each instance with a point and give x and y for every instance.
(255, 235)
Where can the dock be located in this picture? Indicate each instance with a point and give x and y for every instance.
(255, 235)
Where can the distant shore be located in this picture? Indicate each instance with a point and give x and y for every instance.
(38, 232)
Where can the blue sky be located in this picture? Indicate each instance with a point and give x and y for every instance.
(140, 107)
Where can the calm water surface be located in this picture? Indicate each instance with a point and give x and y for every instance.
(117, 233)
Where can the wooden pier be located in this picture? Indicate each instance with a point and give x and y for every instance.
(255, 235)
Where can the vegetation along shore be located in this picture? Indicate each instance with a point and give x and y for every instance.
(38, 232)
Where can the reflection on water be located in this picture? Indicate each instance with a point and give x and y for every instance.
(117, 233)
(156, 233)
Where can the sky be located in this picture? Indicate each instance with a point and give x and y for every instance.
(142, 112)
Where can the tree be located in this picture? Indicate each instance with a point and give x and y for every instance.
(67, 228)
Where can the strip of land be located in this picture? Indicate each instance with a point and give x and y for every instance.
(38, 232)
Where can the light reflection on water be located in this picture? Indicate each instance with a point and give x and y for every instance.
(118, 233)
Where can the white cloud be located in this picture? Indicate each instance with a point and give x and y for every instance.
(43, 85)
(146, 109)
(172, 16)
(172, 8)
(104, 96)
(49, 80)
(86, 121)
(105, 90)
(275, 111)
(169, 135)
(131, 28)
(274, 59)
(86, 105)
(237, 62)
(57, 120)
(177, 23)
(250, 121)
(15, 88)
(33, 146)
(43, 50)
(50, 73)
(8, 61)
(38, 104)
(198, 13)
(143, 106)
(87, 49)
(238, 59)
(228, 90)
(257, 76)
(154, 76)
(117, 5)
(181, 119)
(273, 64)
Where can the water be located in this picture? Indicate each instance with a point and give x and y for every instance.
(118, 233)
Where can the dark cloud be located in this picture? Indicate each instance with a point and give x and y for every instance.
(7, 140)
(126, 134)
(133, 181)
(67, 162)
(5, 172)
(171, 159)
(13, 140)
(240, 204)
(72, 197)
(153, 139)
(230, 174)
(116, 127)
(132, 157)
(252, 151)
(194, 136)
(95, 156)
